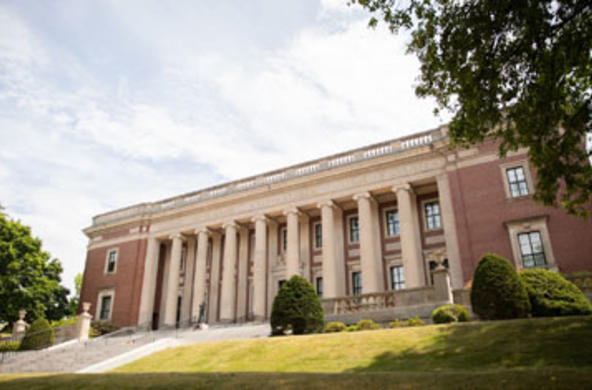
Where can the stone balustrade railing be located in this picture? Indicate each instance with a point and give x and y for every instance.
(305, 169)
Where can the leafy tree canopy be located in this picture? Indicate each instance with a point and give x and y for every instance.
(29, 278)
(519, 71)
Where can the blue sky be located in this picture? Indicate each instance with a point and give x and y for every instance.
(104, 104)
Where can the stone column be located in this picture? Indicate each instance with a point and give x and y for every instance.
(188, 282)
(199, 273)
(214, 277)
(305, 246)
(172, 294)
(410, 236)
(450, 236)
(293, 250)
(370, 248)
(149, 282)
(243, 269)
(228, 293)
(333, 256)
(260, 268)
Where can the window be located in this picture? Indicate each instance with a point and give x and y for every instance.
(111, 261)
(354, 230)
(517, 182)
(183, 258)
(392, 223)
(319, 283)
(318, 236)
(432, 215)
(357, 282)
(105, 307)
(531, 249)
(397, 278)
(284, 236)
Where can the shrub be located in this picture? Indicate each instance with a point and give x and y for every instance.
(551, 294)
(396, 323)
(415, 321)
(296, 308)
(450, 313)
(352, 328)
(67, 321)
(38, 336)
(367, 325)
(498, 292)
(9, 345)
(99, 328)
(335, 326)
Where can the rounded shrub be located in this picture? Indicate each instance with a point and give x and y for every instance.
(415, 321)
(102, 327)
(551, 294)
(367, 325)
(497, 292)
(352, 328)
(396, 323)
(296, 308)
(38, 336)
(450, 313)
(335, 326)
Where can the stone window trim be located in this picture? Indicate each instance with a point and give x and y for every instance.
(111, 250)
(527, 174)
(424, 216)
(104, 293)
(527, 225)
(314, 235)
(349, 227)
(385, 212)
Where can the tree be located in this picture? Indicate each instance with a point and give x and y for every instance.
(517, 71)
(75, 300)
(296, 308)
(29, 278)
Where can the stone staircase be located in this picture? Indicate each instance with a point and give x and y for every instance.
(74, 356)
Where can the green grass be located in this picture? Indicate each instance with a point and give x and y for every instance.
(531, 353)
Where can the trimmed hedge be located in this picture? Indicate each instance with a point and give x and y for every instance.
(450, 313)
(102, 327)
(415, 321)
(497, 292)
(396, 324)
(38, 336)
(368, 325)
(552, 295)
(296, 308)
(352, 328)
(9, 345)
(335, 326)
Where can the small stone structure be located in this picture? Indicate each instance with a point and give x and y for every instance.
(20, 326)
(83, 325)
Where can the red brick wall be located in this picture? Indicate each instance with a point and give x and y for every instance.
(481, 208)
(127, 280)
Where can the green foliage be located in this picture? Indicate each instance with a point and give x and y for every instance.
(415, 321)
(352, 328)
(450, 313)
(296, 308)
(335, 326)
(75, 300)
(29, 278)
(38, 336)
(497, 292)
(396, 323)
(9, 345)
(66, 321)
(99, 328)
(511, 70)
(551, 295)
(367, 325)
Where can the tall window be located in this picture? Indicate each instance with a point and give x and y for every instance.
(284, 239)
(183, 258)
(318, 236)
(392, 223)
(354, 230)
(397, 278)
(319, 283)
(357, 283)
(432, 215)
(531, 249)
(105, 307)
(517, 182)
(111, 261)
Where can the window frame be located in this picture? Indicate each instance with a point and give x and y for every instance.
(527, 176)
(532, 254)
(424, 205)
(316, 225)
(521, 184)
(283, 239)
(537, 223)
(386, 211)
(349, 229)
(392, 279)
(354, 274)
(319, 291)
(102, 294)
(116, 251)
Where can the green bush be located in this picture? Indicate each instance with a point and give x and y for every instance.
(67, 321)
(296, 308)
(38, 336)
(552, 295)
(367, 325)
(9, 345)
(335, 326)
(396, 323)
(415, 321)
(498, 292)
(352, 328)
(99, 328)
(450, 313)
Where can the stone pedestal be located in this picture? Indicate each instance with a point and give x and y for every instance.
(83, 325)
(20, 326)
(442, 285)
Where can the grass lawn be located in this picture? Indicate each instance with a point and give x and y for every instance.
(532, 353)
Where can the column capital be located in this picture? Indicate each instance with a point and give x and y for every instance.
(328, 203)
(292, 210)
(364, 195)
(177, 236)
(229, 224)
(403, 187)
(202, 229)
(260, 217)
